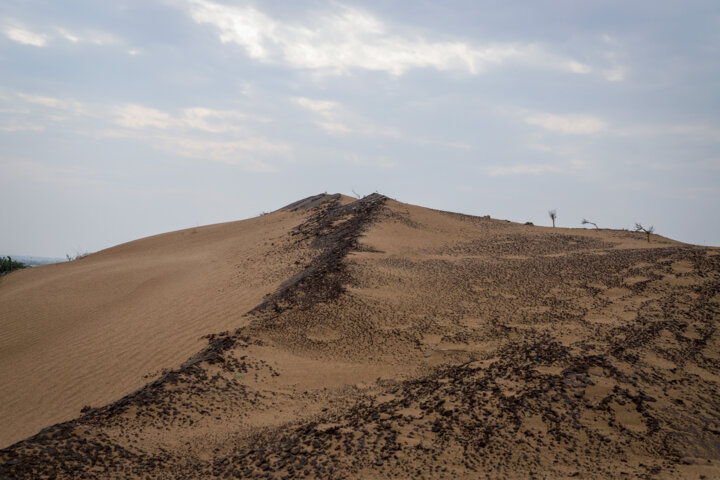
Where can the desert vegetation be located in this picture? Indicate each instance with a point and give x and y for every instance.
(553, 215)
(648, 231)
(585, 221)
(7, 265)
(77, 256)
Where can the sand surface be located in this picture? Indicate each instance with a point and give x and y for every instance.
(342, 338)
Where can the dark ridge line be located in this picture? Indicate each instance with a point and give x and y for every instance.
(334, 229)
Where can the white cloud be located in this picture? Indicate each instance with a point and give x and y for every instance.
(198, 132)
(216, 121)
(321, 106)
(615, 74)
(131, 116)
(348, 38)
(693, 131)
(615, 54)
(195, 118)
(234, 152)
(139, 116)
(577, 67)
(567, 124)
(609, 39)
(555, 150)
(26, 37)
(335, 119)
(69, 106)
(17, 32)
(93, 37)
(19, 125)
(185, 134)
(247, 153)
(69, 36)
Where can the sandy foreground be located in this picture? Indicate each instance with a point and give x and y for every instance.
(343, 338)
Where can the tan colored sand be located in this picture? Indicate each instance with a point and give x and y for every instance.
(457, 347)
(89, 331)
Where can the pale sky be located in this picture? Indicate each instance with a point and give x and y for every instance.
(124, 119)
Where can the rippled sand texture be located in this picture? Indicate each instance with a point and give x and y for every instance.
(342, 338)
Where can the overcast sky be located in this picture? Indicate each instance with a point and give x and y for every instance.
(124, 119)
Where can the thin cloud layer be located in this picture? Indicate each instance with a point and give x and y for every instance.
(333, 118)
(92, 37)
(567, 124)
(225, 136)
(182, 134)
(196, 118)
(20, 33)
(348, 38)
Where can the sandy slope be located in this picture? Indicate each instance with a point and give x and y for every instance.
(90, 331)
(367, 339)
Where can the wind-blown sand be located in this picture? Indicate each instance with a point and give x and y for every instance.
(341, 338)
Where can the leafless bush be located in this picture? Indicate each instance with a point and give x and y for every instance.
(77, 256)
(586, 222)
(648, 231)
(553, 215)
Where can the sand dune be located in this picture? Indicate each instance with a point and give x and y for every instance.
(341, 338)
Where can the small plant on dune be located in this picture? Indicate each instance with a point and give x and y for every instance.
(553, 215)
(77, 256)
(7, 265)
(648, 231)
(586, 222)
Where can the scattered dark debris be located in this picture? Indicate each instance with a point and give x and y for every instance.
(333, 230)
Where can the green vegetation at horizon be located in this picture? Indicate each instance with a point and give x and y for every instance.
(7, 265)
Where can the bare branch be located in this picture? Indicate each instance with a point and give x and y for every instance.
(553, 215)
(648, 231)
(586, 222)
